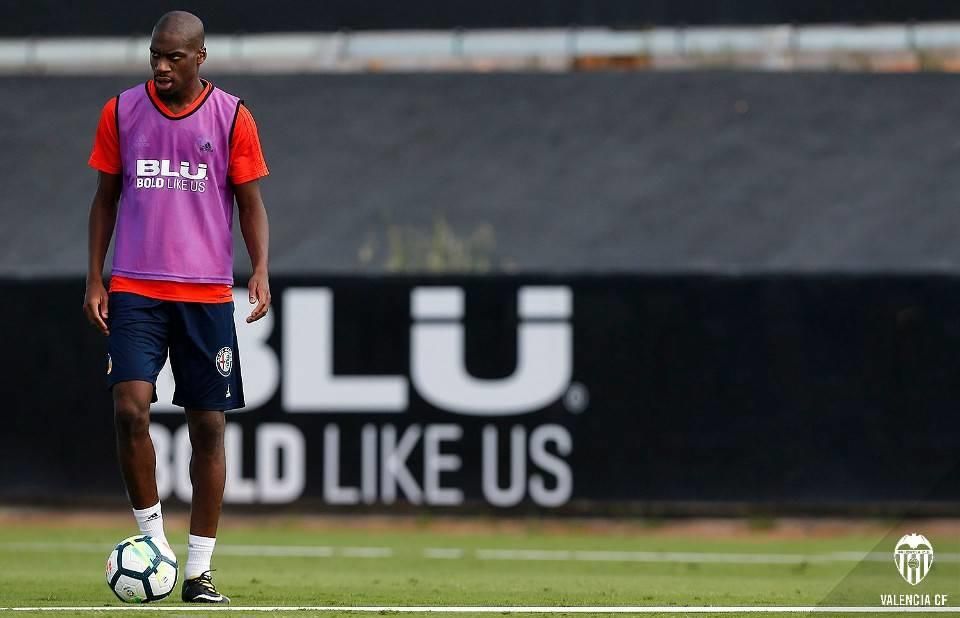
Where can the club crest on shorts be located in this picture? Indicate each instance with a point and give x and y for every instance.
(913, 557)
(224, 361)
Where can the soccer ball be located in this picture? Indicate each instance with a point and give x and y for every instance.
(141, 570)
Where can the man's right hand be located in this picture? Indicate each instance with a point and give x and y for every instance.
(95, 305)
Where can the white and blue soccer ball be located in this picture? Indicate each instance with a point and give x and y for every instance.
(141, 569)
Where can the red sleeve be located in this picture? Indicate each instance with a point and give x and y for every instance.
(246, 157)
(106, 145)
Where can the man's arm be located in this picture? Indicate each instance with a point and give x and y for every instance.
(103, 216)
(256, 234)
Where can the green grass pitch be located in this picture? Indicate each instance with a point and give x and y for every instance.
(292, 562)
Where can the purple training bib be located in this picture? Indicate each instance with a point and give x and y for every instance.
(175, 219)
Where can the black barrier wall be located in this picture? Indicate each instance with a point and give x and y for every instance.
(560, 173)
(112, 17)
(567, 394)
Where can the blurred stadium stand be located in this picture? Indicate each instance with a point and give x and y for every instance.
(60, 17)
(58, 37)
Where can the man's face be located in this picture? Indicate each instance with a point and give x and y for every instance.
(175, 62)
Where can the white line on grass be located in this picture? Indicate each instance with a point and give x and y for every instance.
(284, 551)
(687, 557)
(456, 553)
(515, 609)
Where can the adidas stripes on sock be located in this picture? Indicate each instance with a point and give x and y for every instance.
(150, 521)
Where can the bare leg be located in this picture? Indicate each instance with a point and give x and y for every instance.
(208, 470)
(138, 463)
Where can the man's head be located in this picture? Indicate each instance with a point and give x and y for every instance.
(176, 52)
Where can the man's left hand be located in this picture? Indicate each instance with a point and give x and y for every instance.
(259, 287)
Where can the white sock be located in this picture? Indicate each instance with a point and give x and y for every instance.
(199, 553)
(150, 521)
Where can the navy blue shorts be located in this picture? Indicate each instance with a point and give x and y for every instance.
(200, 337)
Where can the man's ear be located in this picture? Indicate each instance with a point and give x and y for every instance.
(201, 56)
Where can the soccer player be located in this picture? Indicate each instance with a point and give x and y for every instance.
(172, 156)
